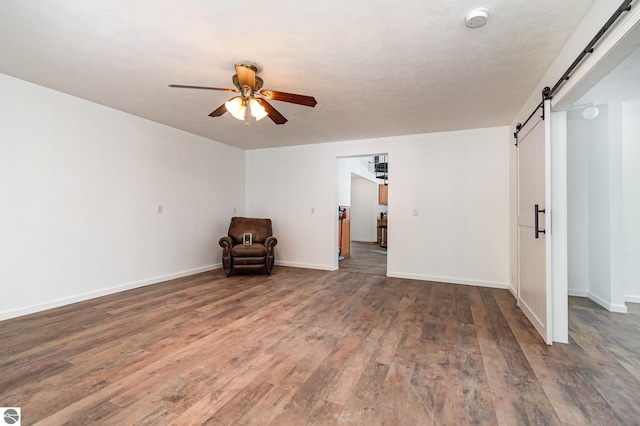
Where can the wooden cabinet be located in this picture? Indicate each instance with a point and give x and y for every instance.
(345, 233)
(383, 194)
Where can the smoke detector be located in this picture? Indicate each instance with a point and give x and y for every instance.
(477, 17)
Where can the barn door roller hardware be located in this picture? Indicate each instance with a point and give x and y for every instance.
(547, 93)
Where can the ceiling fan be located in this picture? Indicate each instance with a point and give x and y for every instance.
(249, 86)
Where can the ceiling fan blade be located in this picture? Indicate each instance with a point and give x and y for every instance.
(181, 86)
(272, 95)
(274, 115)
(219, 111)
(246, 76)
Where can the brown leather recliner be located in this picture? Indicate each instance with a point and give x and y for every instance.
(237, 254)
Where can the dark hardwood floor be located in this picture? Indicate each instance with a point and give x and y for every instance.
(365, 258)
(315, 347)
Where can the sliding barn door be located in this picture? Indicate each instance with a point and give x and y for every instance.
(534, 283)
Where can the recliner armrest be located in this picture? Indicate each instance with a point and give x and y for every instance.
(270, 243)
(226, 243)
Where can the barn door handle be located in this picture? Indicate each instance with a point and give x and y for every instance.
(537, 220)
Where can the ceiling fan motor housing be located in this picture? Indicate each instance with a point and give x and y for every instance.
(236, 82)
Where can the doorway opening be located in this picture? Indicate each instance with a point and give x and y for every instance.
(603, 190)
(362, 189)
(600, 117)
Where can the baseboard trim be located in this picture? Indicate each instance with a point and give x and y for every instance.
(39, 307)
(632, 299)
(448, 280)
(608, 306)
(305, 265)
(578, 293)
(514, 291)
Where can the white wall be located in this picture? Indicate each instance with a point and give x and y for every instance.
(599, 210)
(364, 203)
(458, 182)
(296, 191)
(79, 187)
(578, 202)
(631, 198)
(617, 288)
(599, 238)
(345, 168)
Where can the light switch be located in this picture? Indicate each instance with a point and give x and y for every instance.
(415, 212)
(159, 208)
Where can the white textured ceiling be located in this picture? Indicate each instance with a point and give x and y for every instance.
(377, 68)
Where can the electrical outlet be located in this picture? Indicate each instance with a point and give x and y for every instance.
(313, 210)
(234, 210)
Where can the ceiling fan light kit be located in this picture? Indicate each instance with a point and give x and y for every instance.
(236, 107)
(249, 85)
(477, 17)
(257, 111)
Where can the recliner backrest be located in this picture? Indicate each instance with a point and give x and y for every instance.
(260, 229)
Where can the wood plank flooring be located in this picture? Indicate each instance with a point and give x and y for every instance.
(318, 348)
(365, 258)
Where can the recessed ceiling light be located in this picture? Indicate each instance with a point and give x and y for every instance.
(477, 17)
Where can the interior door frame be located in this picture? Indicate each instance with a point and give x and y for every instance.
(612, 50)
(559, 237)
